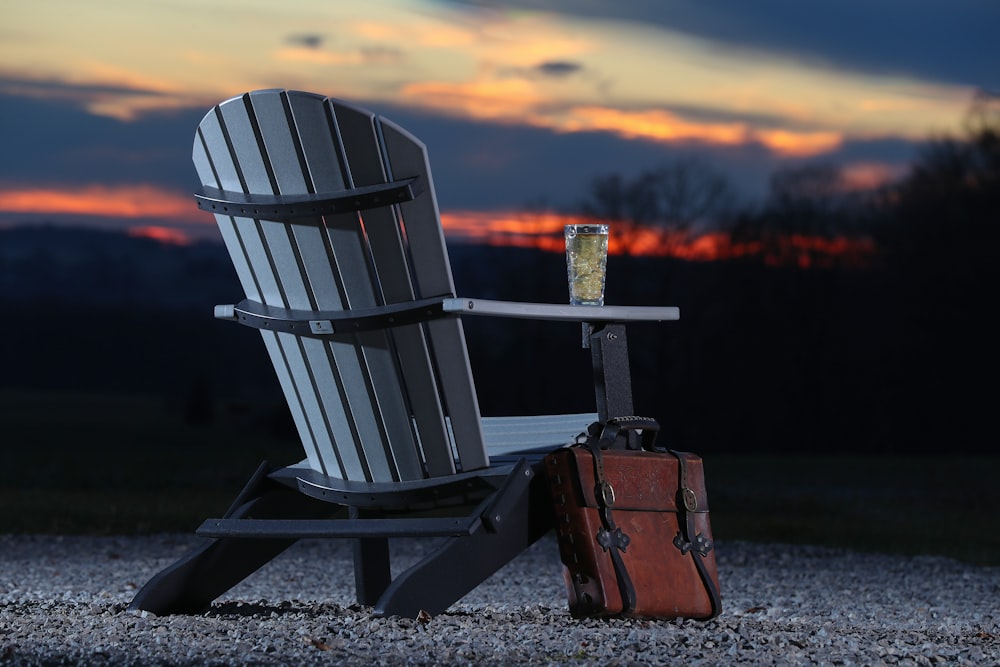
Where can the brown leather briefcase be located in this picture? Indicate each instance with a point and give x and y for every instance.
(634, 533)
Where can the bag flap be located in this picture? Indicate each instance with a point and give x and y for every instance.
(646, 481)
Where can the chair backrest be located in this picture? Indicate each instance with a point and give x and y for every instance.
(372, 405)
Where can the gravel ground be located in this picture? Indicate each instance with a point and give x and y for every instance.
(63, 601)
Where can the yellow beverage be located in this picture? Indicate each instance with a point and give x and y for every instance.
(586, 263)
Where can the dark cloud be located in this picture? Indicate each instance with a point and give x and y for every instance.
(558, 68)
(55, 142)
(381, 55)
(709, 114)
(953, 42)
(310, 41)
(60, 90)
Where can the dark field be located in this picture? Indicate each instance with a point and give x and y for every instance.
(99, 464)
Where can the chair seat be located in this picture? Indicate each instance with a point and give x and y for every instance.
(510, 435)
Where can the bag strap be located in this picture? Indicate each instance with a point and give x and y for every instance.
(699, 546)
(611, 538)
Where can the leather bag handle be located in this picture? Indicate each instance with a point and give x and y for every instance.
(610, 432)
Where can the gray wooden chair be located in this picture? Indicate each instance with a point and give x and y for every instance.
(329, 215)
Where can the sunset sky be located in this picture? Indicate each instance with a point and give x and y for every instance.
(519, 103)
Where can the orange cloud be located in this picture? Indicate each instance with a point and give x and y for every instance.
(799, 144)
(659, 125)
(486, 99)
(122, 201)
(654, 124)
(521, 101)
(870, 175)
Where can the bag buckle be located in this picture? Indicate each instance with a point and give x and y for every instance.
(605, 493)
(689, 499)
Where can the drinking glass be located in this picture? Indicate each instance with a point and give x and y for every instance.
(586, 263)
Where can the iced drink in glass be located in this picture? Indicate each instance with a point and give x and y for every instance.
(586, 263)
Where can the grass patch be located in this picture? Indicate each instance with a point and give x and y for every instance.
(100, 464)
(97, 464)
(940, 505)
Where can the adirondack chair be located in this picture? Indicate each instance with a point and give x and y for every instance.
(329, 215)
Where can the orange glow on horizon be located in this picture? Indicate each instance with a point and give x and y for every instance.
(539, 230)
(162, 234)
(121, 201)
(544, 231)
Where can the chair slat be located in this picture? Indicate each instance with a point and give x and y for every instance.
(360, 139)
(421, 221)
(247, 247)
(386, 411)
(317, 452)
(354, 362)
(216, 167)
(273, 257)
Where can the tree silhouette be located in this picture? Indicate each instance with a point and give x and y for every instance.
(810, 191)
(939, 230)
(677, 197)
(941, 221)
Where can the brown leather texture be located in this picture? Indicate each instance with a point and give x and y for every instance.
(667, 582)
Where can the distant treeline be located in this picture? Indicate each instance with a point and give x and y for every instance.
(897, 356)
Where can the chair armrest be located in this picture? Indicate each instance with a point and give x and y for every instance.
(325, 323)
(288, 207)
(563, 312)
(319, 323)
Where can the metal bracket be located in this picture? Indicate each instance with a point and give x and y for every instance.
(507, 496)
(612, 375)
